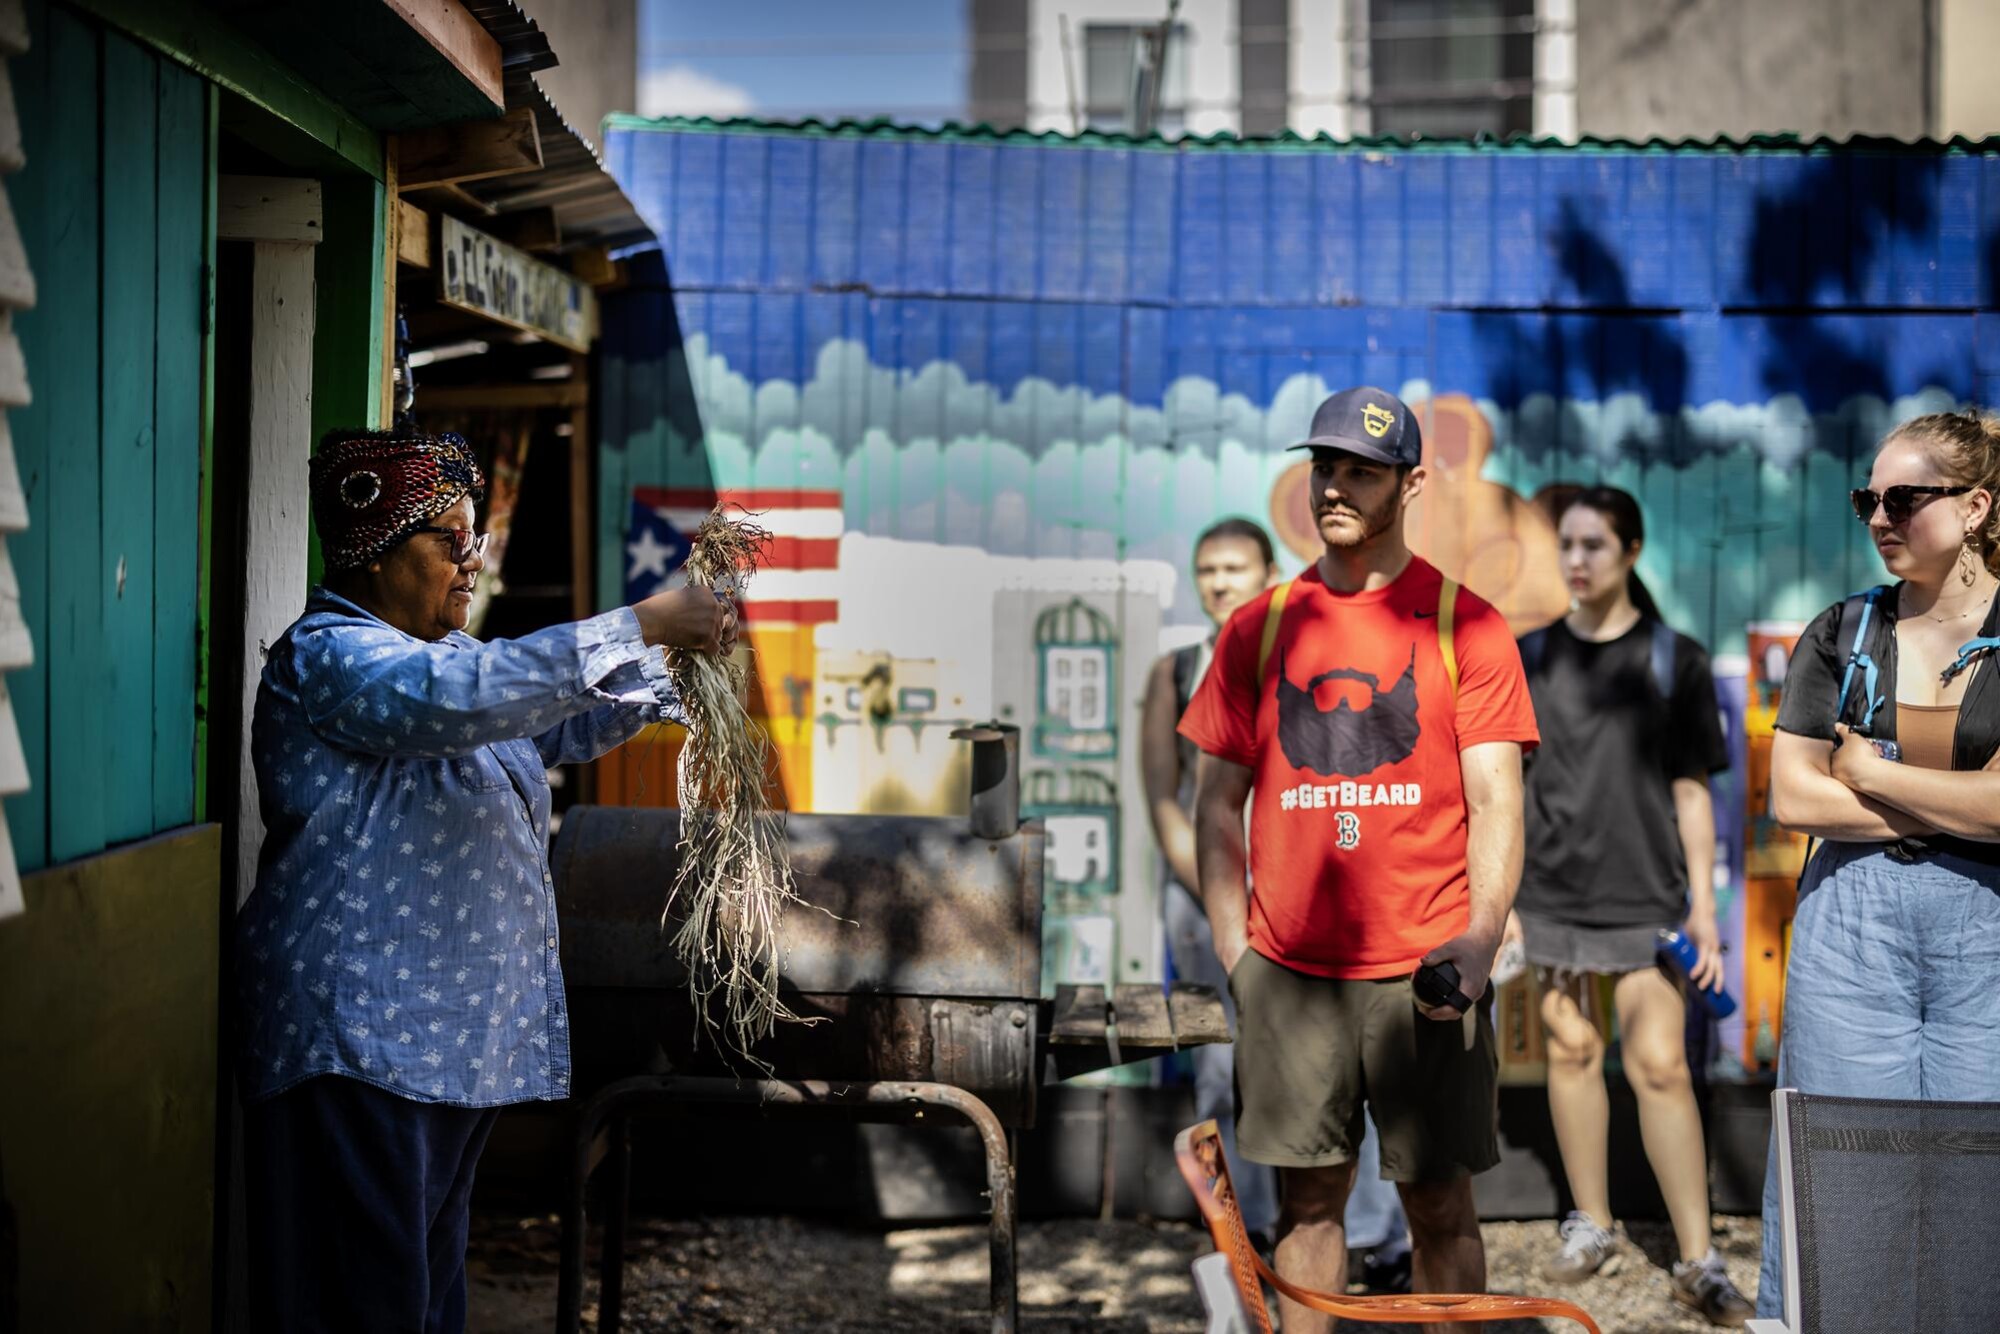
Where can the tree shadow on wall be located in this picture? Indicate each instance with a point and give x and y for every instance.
(650, 418)
(1597, 343)
(1555, 371)
(1816, 259)
(1835, 245)
(1823, 255)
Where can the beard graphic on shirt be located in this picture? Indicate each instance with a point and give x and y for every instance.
(1344, 741)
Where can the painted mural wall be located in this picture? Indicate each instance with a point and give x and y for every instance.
(999, 384)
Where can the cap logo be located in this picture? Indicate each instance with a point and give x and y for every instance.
(1376, 420)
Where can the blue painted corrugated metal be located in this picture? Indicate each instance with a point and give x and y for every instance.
(1304, 225)
(1674, 282)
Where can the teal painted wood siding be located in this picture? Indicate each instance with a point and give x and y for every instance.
(113, 210)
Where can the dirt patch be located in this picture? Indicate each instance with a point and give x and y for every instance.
(780, 1274)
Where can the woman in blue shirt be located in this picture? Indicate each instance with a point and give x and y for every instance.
(397, 962)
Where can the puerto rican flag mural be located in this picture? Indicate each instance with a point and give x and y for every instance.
(799, 582)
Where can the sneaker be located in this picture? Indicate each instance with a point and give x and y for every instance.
(1703, 1287)
(1586, 1249)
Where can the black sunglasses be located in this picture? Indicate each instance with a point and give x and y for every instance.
(1899, 502)
(465, 544)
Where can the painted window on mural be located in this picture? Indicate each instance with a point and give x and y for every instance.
(1078, 809)
(1076, 657)
(1073, 686)
(1079, 851)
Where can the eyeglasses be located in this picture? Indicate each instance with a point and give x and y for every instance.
(465, 544)
(1898, 502)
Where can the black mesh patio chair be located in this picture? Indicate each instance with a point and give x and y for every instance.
(1891, 1215)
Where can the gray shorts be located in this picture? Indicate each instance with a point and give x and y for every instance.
(1566, 948)
(1311, 1052)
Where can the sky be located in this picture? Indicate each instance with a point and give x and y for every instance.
(789, 59)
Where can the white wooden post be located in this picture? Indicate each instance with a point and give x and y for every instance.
(280, 216)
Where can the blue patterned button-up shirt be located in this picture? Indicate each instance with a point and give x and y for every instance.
(403, 929)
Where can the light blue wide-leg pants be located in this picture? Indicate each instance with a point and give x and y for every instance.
(1892, 991)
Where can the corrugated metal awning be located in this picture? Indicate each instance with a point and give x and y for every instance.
(1288, 140)
(590, 208)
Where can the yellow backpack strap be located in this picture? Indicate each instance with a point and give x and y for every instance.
(1447, 645)
(1273, 613)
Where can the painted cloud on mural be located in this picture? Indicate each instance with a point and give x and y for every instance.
(1060, 472)
(849, 397)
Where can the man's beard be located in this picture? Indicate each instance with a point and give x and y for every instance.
(1373, 523)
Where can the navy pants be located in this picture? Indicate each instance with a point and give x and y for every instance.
(358, 1202)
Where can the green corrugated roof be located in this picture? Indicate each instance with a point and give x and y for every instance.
(1289, 141)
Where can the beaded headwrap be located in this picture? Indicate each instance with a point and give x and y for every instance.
(370, 488)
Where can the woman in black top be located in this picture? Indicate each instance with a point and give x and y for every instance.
(1620, 845)
(1892, 986)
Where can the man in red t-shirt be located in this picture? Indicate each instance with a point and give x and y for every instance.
(1381, 729)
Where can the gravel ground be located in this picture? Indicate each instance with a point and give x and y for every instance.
(779, 1274)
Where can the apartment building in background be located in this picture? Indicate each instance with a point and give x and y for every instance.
(1450, 68)
(599, 73)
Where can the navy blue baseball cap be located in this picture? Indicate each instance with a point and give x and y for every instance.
(1371, 422)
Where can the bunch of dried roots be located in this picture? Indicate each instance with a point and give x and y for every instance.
(735, 877)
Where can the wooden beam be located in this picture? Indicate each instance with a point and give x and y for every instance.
(413, 235)
(448, 26)
(452, 199)
(282, 209)
(532, 229)
(593, 265)
(471, 150)
(481, 397)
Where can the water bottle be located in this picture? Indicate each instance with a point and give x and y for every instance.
(1680, 951)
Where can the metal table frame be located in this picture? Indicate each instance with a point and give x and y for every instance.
(612, 1108)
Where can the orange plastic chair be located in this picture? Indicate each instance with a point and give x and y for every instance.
(1198, 1149)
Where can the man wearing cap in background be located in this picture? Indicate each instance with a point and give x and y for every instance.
(1379, 713)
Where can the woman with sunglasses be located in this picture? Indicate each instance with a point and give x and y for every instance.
(1620, 846)
(1886, 750)
(396, 960)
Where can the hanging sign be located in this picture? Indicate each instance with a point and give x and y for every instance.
(492, 278)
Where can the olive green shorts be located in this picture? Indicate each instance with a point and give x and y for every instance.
(1311, 1052)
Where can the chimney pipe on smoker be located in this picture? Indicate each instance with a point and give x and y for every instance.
(995, 806)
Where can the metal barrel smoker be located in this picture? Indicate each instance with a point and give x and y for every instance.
(918, 947)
